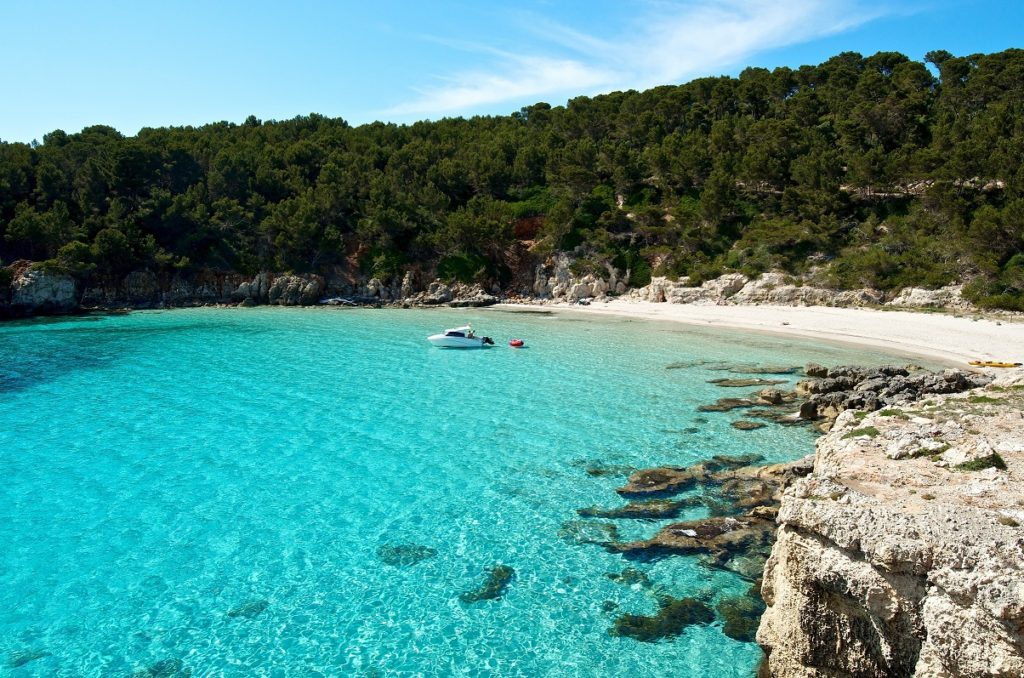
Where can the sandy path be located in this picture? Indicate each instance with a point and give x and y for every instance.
(933, 335)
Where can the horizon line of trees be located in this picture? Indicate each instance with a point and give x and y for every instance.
(861, 171)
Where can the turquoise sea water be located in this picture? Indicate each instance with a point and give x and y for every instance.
(208, 490)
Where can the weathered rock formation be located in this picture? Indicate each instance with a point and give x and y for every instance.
(145, 289)
(37, 292)
(554, 280)
(950, 296)
(779, 289)
(770, 288)
(902, 554)
(293, 290)
(832, 391)
(551, 279)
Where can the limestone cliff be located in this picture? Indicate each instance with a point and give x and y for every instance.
(779, 289)
(33, 291)
(902, 554)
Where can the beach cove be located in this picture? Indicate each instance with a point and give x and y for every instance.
(319, 488)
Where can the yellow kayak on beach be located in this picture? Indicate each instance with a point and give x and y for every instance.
(992, 363)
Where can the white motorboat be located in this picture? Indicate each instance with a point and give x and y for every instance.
(459, 337)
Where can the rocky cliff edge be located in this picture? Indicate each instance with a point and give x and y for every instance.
(902, 554)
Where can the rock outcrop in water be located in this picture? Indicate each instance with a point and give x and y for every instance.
(902, 554)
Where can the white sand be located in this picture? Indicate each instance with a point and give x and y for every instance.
(937, 336)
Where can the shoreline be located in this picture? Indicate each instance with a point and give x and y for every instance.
(939, 337)
(947, 339)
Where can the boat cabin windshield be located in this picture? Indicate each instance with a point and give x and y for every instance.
(466, 331)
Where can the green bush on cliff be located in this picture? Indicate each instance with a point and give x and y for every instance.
(991, 461)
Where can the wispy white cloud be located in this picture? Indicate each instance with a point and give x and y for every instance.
(516, 77)
(666, 42)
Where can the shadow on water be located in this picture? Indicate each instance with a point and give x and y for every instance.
(25, 367)
(39, 350)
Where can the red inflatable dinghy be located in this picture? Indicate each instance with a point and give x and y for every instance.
(516, 343)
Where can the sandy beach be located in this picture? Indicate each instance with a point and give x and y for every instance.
(937, 336)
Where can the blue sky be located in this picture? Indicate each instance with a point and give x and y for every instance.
(68, 64)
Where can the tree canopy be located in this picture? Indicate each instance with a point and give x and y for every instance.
(872, 170)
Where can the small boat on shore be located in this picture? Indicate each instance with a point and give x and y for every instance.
(992, 363)
(459, 337)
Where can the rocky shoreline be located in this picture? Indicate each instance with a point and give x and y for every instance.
(37, 291)
(870, 556)
(875, 557)
(902, 553)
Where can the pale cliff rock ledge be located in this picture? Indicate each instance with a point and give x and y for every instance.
(902, 553)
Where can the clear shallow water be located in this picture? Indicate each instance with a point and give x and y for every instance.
(160, 469)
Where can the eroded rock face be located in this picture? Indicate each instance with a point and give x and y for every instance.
(896, 557)
(950, 296)
(770, 288)
(36, 292)
(833, 391)
(553, 279)
(779, 289)
(142, 288)
(257, 289)
(293, 290)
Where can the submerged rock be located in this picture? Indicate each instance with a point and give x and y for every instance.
(727, 404)
(742, 383)
(766, 369)
(681, 365)
(745, 493)
(671, 479)
(630, 577)
(663, 480)
(19, 658)
(599, 470)
(404, 555)
(720, 537)
(249, 609)
(741, 615)
(165, 668)
(773, 396)
(654, 509)
(588, 532)
(745, 425)
(776, 416)
(497, 581)
(673, 617)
